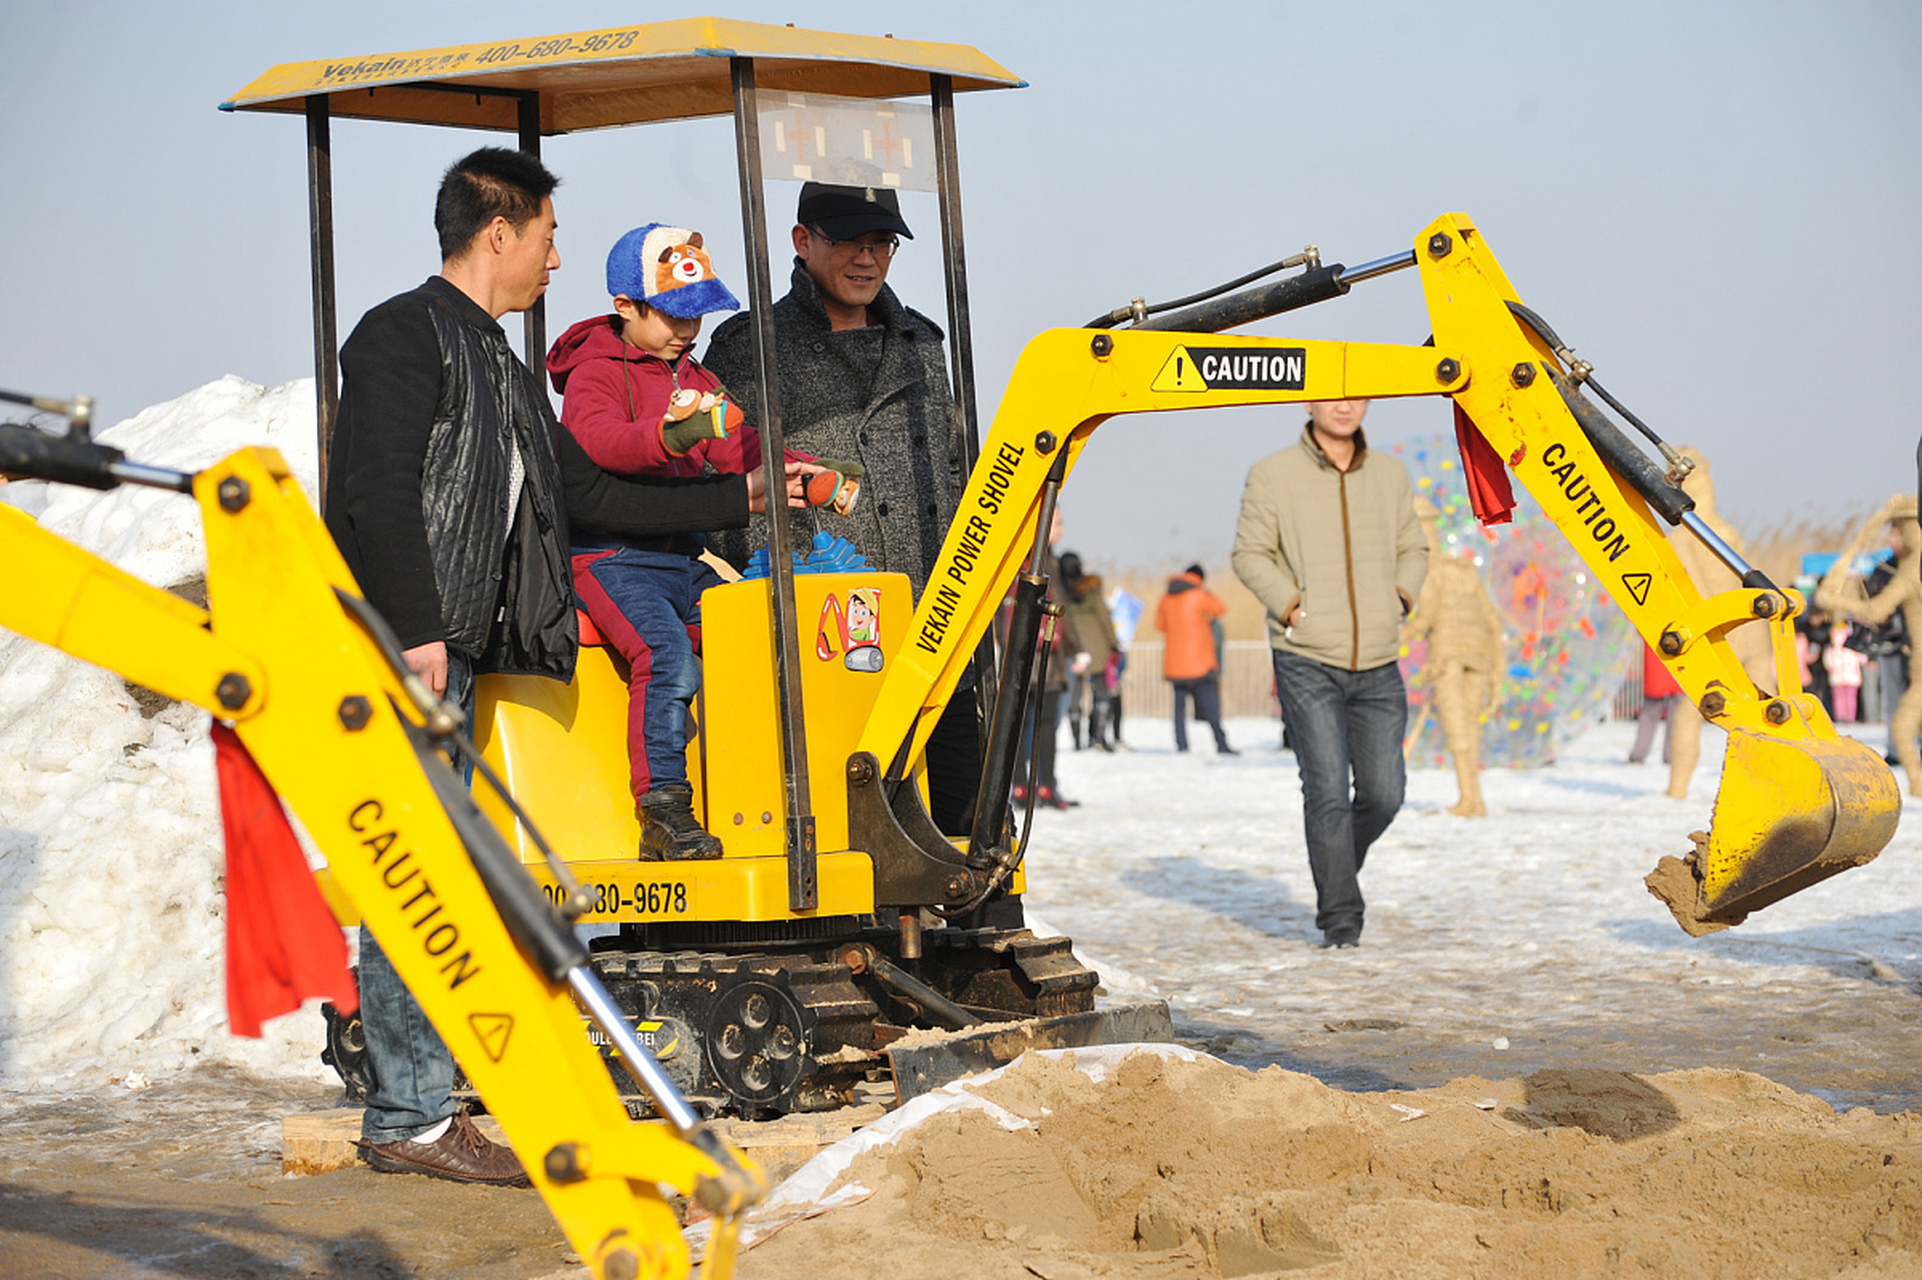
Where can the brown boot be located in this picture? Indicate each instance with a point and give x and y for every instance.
(669, 831)
(462, 1154)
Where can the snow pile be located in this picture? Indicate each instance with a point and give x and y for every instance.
(111, 929)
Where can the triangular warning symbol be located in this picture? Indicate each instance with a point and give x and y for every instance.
(1637, 585)
(492, 1030)
(1178, 374)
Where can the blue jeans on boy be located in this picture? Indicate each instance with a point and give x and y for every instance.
(413, 1073)
(1345, 724)
(647, 604)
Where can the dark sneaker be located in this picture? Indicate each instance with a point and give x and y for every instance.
(1225, 750)
(669, 832)
(462, 1154)
(1340, 939)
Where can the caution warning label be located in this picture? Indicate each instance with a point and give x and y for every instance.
(1636, 585)
(1233, 369)
(492, 1030)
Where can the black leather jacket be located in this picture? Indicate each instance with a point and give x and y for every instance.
(418, 485)
(489, 573)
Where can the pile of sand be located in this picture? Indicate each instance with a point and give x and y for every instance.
(1201, 1169)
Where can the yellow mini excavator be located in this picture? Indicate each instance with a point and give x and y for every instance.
(774, 978)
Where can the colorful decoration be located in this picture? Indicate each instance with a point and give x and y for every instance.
(1568, 645)
(826, 554)
(854, 635)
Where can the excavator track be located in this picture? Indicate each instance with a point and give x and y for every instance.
(765, 1031)
(755, 1034)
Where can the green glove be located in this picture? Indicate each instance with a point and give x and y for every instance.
(693, 419)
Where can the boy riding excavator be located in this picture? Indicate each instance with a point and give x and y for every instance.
(775, 977)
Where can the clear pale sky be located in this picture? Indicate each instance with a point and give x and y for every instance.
(1715, 203)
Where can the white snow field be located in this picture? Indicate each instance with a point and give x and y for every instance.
(1493, 946)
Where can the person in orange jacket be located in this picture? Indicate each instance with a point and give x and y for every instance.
(1191, 661)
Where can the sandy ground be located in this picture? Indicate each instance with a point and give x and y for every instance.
(183, 1179)
(1198, 1170)
(1600, 1095)
(1494, 946)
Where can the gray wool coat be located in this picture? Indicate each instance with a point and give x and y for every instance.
(877, 396)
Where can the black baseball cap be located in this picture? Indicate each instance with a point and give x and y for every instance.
(843, 213)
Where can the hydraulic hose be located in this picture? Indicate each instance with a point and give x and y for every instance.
(1582, 372)
(1140, 311)
(1619, 452)
(1661, 489)
(1006, 861)
(1306, 289)
(442, 721)
(554, 948)
(1010, 705)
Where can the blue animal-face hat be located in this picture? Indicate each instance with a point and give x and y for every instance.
(667, 268)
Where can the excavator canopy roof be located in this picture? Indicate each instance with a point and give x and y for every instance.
(621, 75)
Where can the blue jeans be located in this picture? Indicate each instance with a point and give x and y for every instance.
(1346, 725)
(648, 606)
(413, 1073)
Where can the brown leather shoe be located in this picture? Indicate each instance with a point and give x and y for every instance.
(462, 1154)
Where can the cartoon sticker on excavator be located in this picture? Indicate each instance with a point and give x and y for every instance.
(858, 630)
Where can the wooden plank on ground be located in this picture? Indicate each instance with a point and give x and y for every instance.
(315, 1142)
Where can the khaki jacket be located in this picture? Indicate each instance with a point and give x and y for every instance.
(1346, 547)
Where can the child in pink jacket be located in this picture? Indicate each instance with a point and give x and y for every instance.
(640, 404)
(1844, 666)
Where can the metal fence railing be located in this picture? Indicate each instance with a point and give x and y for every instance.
(1628, 698)
(1247, 680)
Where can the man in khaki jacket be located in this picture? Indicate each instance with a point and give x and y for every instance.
(1329, 542)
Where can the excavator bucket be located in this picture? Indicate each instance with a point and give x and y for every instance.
(1790, 812)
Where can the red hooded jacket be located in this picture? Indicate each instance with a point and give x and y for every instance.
(614, 395)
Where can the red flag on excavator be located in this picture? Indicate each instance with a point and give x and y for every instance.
(282, 942)
(1488, 491)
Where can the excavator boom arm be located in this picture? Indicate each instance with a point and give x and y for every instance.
(321, 711)
(1594, 485)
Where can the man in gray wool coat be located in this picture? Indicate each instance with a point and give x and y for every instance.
(864, 378)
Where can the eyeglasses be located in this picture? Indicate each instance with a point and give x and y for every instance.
(882, 249)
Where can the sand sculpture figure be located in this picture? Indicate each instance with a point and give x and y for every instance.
(1710, 576)
(1841, 592)
(1466, 654)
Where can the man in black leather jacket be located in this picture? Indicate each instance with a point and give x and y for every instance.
(450, 491)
